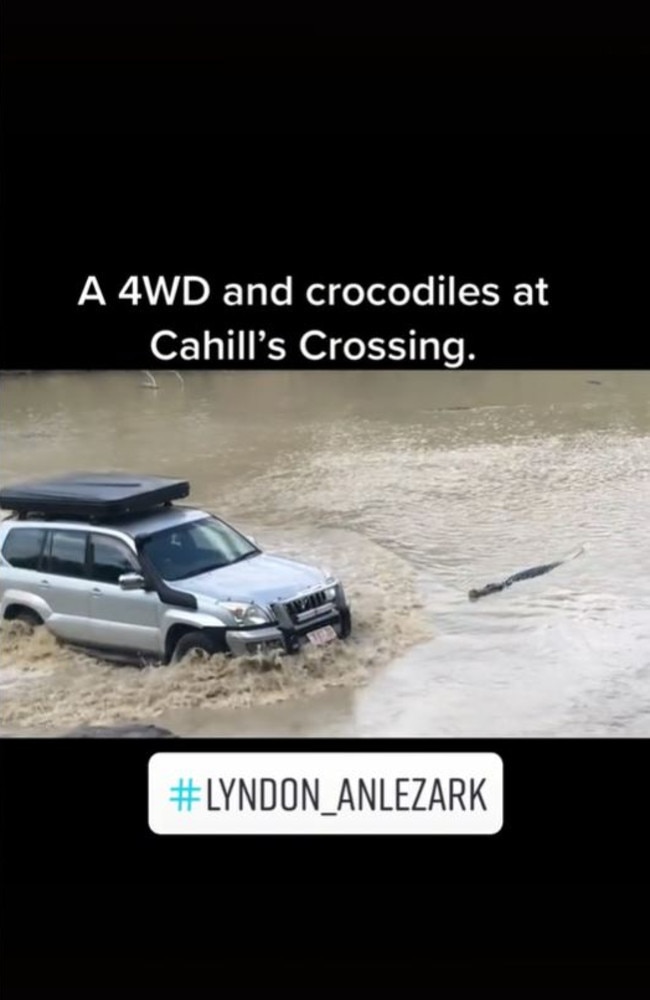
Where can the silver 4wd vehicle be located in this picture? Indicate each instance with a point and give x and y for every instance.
(112, 564)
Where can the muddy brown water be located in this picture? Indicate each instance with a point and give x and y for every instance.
(414, 487)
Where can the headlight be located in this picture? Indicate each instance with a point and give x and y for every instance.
(332, 586)
(246, 614)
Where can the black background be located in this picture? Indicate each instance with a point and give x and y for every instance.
(337, 149)
(240, 209)
(574, 810)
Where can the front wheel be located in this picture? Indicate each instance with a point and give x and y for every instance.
(198, 645)
(346, 623)
(28, 619)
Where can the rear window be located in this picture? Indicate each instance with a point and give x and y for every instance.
(23, 547)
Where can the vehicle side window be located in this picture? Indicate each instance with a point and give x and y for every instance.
(110, 559)
(23, 547)
(67, 555)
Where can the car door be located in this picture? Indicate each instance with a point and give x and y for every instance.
(63, 583)
(121, 619)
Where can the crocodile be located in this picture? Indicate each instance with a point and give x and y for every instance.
(524, 574)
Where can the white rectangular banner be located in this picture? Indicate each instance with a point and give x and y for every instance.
(325, 793)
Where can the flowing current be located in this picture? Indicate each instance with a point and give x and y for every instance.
(413, 487)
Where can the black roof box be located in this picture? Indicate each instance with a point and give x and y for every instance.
(92, 494)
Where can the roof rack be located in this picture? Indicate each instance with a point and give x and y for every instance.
(92, 495)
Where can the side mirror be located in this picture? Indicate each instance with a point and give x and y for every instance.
(132, 581)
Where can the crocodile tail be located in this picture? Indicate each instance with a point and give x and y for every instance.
(574, 555)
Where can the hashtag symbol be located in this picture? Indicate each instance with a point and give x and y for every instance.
(185, 794)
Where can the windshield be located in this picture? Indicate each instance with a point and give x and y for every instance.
(197, 547)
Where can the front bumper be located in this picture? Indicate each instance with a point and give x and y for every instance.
(286, 636)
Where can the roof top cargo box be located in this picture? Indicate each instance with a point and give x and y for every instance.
(92, 495)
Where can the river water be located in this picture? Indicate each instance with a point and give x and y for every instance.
(413, 487)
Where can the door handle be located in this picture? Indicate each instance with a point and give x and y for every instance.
(96, 592)
(44, 583)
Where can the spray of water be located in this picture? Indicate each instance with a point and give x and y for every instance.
(47, 686)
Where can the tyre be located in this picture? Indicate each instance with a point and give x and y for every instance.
(346, 623)
(28, 619)
(197, 644)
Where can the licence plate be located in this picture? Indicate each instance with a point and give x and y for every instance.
(321, 636)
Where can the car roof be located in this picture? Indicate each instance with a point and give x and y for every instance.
(134, 525)
(139, 525)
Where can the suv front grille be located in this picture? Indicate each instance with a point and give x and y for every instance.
(307, 606)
